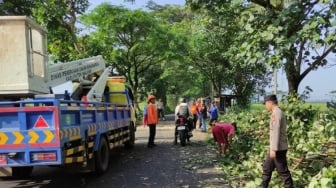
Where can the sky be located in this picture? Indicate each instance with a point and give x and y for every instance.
(322, 81)
(137, 4)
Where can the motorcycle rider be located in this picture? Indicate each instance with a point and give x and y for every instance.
(183, 110)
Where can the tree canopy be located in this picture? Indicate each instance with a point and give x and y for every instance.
(133, 41)
(222, 45)
(297, 36)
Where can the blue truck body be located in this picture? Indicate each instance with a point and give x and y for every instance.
(50, 131)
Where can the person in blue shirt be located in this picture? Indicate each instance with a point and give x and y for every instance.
(213, 111)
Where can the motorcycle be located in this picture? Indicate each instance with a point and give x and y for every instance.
(182, 131)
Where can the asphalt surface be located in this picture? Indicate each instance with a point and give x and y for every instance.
(164, 166)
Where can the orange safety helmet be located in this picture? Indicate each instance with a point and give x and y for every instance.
(151, 97)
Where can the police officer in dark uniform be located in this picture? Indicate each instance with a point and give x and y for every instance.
(276, 158)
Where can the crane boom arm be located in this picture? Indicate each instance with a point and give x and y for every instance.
(97, 90)
(74, 70)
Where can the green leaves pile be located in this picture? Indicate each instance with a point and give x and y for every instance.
(312, 150)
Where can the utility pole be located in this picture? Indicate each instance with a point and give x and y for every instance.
(275, 81)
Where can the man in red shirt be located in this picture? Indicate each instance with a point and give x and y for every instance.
(223, 133)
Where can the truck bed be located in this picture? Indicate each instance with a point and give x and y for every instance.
(55, 132)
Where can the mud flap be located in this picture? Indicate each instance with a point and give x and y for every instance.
(6, 171)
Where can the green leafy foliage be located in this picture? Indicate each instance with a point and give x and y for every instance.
(17, 7)
(312, 150)
(325, 178)
(297, 36)
(59, 17)
(126, 38)
(221, 50)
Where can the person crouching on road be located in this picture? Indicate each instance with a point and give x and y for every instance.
(223, 134)
(150, 118)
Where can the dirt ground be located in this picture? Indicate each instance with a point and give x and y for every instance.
(167, 165)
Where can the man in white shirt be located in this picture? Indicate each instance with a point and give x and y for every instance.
(160, 108)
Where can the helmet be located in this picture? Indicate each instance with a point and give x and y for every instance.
(183, 100)
(151, 97)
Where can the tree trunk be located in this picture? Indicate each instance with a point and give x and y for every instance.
(217, 91)
(293, 85)
(292, 70)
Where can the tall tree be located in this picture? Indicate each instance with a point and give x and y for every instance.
(303, 36)
(297, 36)
(132, 40)
(60, 18)
(218, 51)
(181, 76)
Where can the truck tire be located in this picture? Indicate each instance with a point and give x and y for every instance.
(22, 172)
(102, 157)
(130, 143)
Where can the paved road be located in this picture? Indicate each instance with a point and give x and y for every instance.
(166, 165)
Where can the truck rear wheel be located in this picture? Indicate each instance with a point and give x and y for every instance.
(102, 157)
(130, 143)
(22, 172)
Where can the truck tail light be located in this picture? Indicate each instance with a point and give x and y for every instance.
(44, 156)
(3, 159)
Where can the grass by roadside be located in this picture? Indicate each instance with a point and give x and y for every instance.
(322, 106)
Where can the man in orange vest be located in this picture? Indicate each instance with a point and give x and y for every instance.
(194, 111)
(151, 119)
